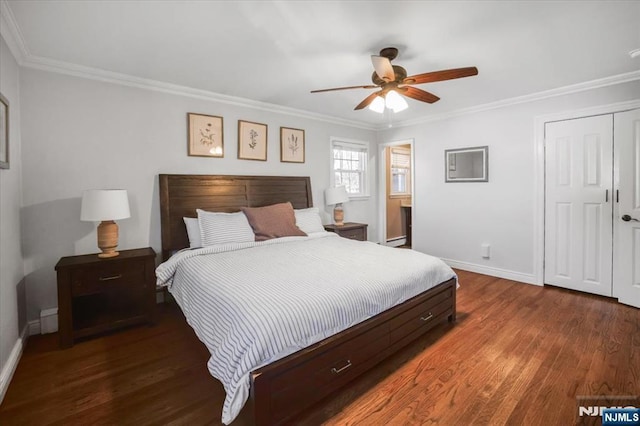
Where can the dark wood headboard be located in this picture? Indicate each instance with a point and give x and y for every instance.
(181, 195)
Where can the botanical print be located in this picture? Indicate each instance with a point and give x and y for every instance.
(205, 135)
(253, 137)
(252, 140)
(4, 133)
(291, 145)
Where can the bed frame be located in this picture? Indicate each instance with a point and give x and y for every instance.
(286, 387)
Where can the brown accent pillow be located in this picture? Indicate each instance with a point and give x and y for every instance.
(275, 221)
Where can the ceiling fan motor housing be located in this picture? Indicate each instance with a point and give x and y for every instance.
(400, 74)
(389, 52)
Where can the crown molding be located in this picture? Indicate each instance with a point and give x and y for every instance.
(81, 71)
(11, 33)
(560, 91)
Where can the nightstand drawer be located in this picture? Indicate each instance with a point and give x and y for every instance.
(354, 234)
(351, 230)
(104, 277)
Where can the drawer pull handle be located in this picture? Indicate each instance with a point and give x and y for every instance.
(427, 318)
(115, 277)
(341, 369)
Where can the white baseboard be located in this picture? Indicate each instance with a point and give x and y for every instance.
(396, 242)
(48, 321)
(12, 362)
(34, 327)
(494, 272)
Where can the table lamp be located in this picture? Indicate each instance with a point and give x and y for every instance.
(337, 196)
(105, 205)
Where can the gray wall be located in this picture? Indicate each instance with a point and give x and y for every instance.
(80, 134)
(453, 220)
(11, 264)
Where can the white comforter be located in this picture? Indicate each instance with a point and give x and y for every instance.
(254, 303)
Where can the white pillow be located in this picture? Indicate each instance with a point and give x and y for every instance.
(193, 231)
(221, 228)
(308, 220)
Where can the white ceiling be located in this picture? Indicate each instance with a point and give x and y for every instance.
(276, 52)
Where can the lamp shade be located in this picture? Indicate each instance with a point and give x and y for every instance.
(104, 204)
(336, 195)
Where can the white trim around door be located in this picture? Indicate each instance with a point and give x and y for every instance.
(382, 185)
(539, 171)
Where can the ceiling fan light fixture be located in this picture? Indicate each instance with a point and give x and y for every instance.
(392, 81)
(395, 102)
(377, 105)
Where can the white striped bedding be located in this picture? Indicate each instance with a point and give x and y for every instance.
(254, 303)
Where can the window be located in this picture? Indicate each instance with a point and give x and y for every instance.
(349, 166)
(400, 171)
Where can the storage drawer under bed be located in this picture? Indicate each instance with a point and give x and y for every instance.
(337, 362)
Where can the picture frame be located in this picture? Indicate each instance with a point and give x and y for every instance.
(252, 140)
(205, 135)
(452, 163)
(292, 145)
(467, 164)
(4, 132)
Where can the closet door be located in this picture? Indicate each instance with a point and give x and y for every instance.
(578, 204)
(626, 274)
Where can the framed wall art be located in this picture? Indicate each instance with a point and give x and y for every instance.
(4, 132)
(252, 140)
(291, 145)
(206, 135)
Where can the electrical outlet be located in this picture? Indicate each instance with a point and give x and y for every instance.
(486, 251)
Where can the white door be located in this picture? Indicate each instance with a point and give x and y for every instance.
(626, 273)
(578, 204)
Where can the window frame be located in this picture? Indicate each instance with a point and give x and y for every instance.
(357, 145)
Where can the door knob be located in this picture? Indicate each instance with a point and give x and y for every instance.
(628, 218)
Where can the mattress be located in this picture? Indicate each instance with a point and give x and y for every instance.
(254, 303)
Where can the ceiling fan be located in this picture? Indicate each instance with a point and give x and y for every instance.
(393, 80)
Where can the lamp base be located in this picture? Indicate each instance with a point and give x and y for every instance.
(105, 255)
(108, 239)
(338, 215)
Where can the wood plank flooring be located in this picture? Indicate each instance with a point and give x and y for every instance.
(518, 355)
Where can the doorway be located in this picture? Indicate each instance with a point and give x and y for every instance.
(592, 196)
(396, 187)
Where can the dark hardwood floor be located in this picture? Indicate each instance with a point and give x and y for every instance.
(518, 355)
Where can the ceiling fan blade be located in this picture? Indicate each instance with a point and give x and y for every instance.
(383, 68)
(430, 77)
(370, 86)
(419, 94)
(367, 100)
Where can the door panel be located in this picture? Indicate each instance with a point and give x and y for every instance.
(563, 240)
(578, 208)
(626, 273)
(592, 250)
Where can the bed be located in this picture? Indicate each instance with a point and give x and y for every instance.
(282, 388)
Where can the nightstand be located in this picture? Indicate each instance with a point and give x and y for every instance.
(351, 230)
(97, 295)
